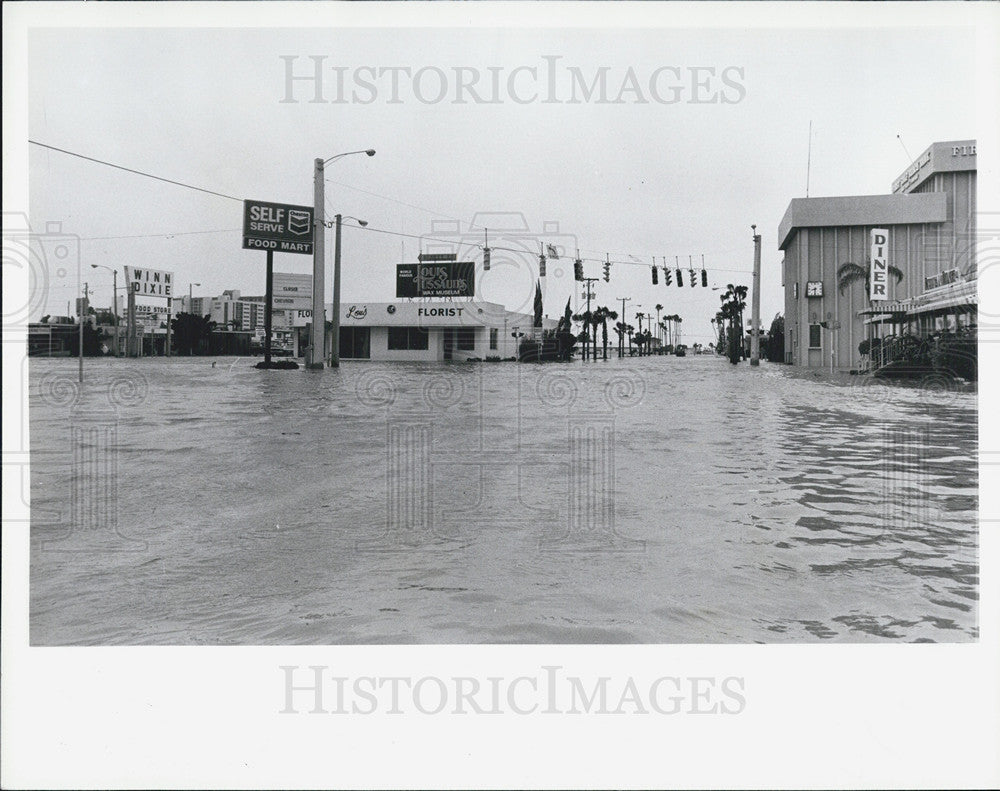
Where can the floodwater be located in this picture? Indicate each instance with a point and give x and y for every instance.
(645, 500)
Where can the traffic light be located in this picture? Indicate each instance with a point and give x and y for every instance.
(668, 277)
(607, 273)
(486, 259)
(578, 270)
(693, 281)
(655, 280)
(704, 278)
(541, 266)
(680, 278)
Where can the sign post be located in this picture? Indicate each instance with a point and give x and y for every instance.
(281, 227)
(269, 293)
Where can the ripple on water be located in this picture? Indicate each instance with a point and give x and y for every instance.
(659, 500)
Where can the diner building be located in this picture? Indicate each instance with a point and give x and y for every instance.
(930, 219)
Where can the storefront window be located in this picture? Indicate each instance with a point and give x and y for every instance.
(408, 339)
(355, 343)
(494, 332)
(465, 340)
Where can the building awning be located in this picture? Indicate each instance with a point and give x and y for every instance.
(885, 309)
(954, 297)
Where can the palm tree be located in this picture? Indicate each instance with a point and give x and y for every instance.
(849, 273)
(620, 329)
(629, 329)
(733, 303)
(601, 316)
(586, 319)
(678, 320)
(640, 317)
(658, 309)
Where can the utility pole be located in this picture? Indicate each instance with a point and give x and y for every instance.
(170, 310)
(83, 313)
(335, 342)
(621, 335)
(590, 295)
(755, 303)
(114, 305)
(317, 332)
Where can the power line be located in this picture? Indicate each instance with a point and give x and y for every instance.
(470, 225)
(131, 170)
(167, 235)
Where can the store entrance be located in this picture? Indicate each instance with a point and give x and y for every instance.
(449, 342)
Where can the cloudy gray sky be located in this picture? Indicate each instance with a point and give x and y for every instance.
(698, 134)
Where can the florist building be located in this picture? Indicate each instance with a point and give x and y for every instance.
(926, 283)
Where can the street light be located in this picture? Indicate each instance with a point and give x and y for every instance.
(335, 339)
(190, 308)
(317, 332)
(114, 301)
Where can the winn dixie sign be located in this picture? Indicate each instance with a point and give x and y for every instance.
(444, 279)
(281, 227)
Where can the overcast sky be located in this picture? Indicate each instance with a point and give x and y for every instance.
(686, 159)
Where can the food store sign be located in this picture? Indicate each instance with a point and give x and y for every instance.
(279, 227)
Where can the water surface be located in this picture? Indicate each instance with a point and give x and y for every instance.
(653, 500)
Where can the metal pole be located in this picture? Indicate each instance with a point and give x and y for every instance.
(335, 340)
(317, 327)
(268, 296)
(621, 337)
(114, 307)
(130, 325)
(755, 305)
(83, 310)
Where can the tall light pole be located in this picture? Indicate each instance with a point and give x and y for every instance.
(114, 299)
(335, 340)
(755, 304)
(621, 335)
(317, 327)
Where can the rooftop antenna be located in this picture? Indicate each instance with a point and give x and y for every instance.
(908, 157)
(809, 157)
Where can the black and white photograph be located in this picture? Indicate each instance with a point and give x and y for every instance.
(371, 369)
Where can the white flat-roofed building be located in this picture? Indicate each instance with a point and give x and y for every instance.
(418, 331)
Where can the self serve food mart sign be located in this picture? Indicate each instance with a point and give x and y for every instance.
(279, 227)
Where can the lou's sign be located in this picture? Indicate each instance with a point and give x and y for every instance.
(879, 274)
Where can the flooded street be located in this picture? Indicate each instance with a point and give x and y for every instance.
(646, 500)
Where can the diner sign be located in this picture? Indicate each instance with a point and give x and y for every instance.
(879, 274)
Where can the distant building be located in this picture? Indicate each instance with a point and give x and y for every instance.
(930, 217)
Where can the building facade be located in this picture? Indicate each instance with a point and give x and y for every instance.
(930, 217)
(429, 331)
